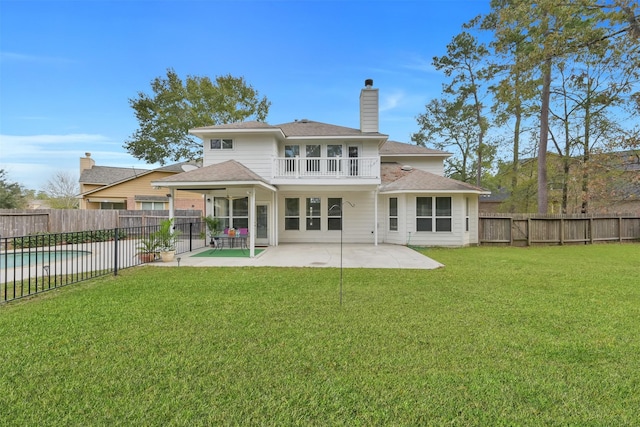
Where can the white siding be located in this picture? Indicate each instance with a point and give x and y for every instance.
(254, 151)
(407, 234)
(358, 220)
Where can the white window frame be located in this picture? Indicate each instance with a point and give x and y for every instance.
(221, 144)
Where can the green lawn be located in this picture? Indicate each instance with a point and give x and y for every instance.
(500, 336)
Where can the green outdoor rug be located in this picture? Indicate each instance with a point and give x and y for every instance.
(226, 253)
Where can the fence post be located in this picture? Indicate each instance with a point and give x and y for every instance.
(115, 252)
(190, 236)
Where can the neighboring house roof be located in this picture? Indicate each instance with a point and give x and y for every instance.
(396, 178)
(114, 176)
(107, 174)
(395, 148)
(251, 124)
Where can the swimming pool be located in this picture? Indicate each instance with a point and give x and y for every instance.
(19, 259)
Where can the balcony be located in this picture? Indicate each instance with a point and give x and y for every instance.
(327, 167)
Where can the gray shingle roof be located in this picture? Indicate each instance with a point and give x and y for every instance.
(311, 128)
(401, 148)
(298, 128)
(251, 124)
(395, 178)
(220, 172)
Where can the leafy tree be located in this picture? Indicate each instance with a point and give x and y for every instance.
(549, 33)
(165, 117)
(61, 191)
(12, 194)
(465, 64)
(451, 126)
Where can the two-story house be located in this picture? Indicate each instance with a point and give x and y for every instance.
(307, 181)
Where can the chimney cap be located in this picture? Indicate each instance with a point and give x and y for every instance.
(368, 83)
(87, 154)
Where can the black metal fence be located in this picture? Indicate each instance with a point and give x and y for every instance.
(37, 263)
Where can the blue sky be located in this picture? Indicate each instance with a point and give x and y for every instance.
(68, 68)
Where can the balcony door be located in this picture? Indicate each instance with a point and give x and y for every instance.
(354, 153)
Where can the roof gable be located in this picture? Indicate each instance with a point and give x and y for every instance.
(220, 172)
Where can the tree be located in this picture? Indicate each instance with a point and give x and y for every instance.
(549, 33)
(12, 194)
(451, 125)
(464, 63)
(165, 117)
(61, 191)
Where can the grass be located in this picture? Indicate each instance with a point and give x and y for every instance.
(500, 336)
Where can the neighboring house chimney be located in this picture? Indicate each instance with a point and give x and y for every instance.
(86, 162)
(369, 107)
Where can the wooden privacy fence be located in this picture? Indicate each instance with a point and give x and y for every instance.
(534, 229)
(14, 222)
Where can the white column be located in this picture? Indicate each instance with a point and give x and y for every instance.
(375, 218)
(172, 205)
(252, 223)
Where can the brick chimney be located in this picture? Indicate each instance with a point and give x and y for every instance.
(86, 162)
(369, 107)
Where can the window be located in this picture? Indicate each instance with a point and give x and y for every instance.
(334, 151)
(334, 213)
(443, 213)
(290, 154)
(112, 206)
(466, 213)
(313, 213)
(291, 214)
(152, 206)
(313, 151)
(393, 214)
(221, 144)
(425, 214)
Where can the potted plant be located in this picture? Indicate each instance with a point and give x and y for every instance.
(213, 225)
(148, 248)
(167, 237)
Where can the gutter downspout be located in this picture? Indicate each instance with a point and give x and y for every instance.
(375, 218)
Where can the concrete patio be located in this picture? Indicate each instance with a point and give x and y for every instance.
(317, 255)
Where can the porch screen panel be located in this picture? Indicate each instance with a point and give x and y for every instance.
(221, 211)
(334, 213)
(292, 214)
(241, 213)
(313, 213)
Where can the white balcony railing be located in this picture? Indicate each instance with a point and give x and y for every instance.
(327, 167)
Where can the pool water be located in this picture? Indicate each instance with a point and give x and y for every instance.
(19, 259)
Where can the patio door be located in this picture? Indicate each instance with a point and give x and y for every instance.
(262, 224)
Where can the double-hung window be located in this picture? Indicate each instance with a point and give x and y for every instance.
(292, 214)
(221, 144)
(152, 206)
(393, 214)
(313, 213)
(430, 219)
